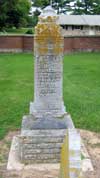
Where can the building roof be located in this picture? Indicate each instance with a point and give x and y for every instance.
(88, 20)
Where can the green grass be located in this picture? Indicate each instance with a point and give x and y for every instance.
(81, 89)
(16, 89)
(15, 31)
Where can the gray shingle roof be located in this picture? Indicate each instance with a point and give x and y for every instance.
(90, 20)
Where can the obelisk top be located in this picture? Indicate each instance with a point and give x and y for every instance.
(48, 11)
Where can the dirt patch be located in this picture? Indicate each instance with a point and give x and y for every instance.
(92, 143)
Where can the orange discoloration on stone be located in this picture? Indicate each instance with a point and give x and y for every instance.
(47, 32)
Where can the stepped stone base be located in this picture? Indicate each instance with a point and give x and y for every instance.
(14, 163)
(41, 139)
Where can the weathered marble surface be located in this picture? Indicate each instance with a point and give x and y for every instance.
(48, 97)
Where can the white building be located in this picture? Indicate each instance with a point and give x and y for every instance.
(80, 25)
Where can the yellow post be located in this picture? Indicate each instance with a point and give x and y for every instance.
(64, 159)
(71, 155)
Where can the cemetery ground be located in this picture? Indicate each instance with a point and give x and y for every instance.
(81, 97)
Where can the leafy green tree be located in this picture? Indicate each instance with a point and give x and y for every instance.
(87, 7)
(62, 6)
(17, 13)
(3, 15)
(35, 17)
(14, 13)
(96, 7)
(40, 3)
(78, 8)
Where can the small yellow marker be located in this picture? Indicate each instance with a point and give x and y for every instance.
(71, 155)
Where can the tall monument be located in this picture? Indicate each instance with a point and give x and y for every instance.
(43, 130)
(48, 51)
(48, 110)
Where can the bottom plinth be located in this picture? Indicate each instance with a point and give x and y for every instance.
(41, 139)
(40, 143)
(14, 163)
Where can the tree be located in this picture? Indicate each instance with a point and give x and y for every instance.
(3, 15)
(87, 7)
(61, 6)
(40, 3)
(17, 13)
(96, 7)
(35, 17)
(14, 13)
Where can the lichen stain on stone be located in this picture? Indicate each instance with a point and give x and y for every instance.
(48, 36)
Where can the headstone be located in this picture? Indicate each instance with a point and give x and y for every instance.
(44, 129)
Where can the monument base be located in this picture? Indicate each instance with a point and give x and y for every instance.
(41, 139)
(30, 122)
(14, 163)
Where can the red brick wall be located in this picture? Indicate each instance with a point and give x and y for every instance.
(28, 43)
(23, 43)
(8, 43)
(14, 43)
(88, 43)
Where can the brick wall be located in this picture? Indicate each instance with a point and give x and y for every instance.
(15, 43)
(24, 43)
(11, 43)
(87, 43)
(28, 43)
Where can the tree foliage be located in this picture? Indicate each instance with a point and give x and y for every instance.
(14, 13)
(60, 5)
(87, 7)
(3, 14)
(65, 6)
(35, 17)
(40, 3)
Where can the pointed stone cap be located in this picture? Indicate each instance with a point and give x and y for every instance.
(48, 11)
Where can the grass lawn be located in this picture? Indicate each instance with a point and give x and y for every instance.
(81, 89)
(14, 31)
